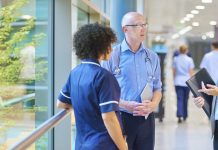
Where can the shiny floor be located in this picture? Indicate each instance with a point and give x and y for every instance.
(194, 134)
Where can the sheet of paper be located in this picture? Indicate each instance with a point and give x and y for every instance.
(146, 94)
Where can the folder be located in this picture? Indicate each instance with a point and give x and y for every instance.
(147, 94)
(194, 83)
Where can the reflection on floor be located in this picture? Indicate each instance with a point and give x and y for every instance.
(194, 134)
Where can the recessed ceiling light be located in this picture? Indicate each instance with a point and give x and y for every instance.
(195, 12)
(182, 21)
(187, 19)
(210, 34)
(195, 24)
(175, 36)
(200, 7)
(184, 30)
(206, 1)
(204, 37)
(213, 23)
(190, 15)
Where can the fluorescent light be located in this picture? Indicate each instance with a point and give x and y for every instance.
(213, 23)
(195, 12)
(182, 21)
(175, 36)
(185, 30)
(200, 7)
(187, 19)
(190, 15)
(206, 1)
(157, 38)
(195, 24)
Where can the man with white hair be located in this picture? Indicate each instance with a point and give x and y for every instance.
(137, 70)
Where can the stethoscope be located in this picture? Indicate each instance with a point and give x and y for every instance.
(150, 75)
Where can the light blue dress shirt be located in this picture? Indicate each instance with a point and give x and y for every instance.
(135, 70)
(210, 62)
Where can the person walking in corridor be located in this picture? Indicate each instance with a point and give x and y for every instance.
(136, 68)
(93, 92)
(183, 66)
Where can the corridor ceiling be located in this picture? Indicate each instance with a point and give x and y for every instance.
(165, 16)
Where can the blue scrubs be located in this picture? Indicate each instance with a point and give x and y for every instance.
(91, 90)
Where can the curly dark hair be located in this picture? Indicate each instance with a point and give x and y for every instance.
(93, 40)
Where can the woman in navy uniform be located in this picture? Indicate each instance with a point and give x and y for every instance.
(93, 92)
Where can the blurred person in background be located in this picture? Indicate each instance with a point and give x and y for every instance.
(210, 61)
(183, 66)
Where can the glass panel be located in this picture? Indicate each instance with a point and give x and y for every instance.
(41, 143)
(79, 18)
(24, 48)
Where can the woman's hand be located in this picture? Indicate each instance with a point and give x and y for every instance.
(199, 102)
(209, 89)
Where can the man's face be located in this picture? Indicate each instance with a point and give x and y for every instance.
(135, 29)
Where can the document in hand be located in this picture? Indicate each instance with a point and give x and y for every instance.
(194, 83)
(146, 94)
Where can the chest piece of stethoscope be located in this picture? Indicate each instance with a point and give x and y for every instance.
(117, 71)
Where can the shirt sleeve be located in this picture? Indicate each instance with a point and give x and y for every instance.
(64, 95)
(203, 63)
(192, 65)
(174, 63)
(108, 93)
(106, 64)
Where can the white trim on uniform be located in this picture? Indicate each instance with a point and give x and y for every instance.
(109, 102)
(65, 95)
(91, 63)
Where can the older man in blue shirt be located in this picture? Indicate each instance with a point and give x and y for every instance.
(136, 67)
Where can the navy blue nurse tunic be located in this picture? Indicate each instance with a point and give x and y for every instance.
(91, 90)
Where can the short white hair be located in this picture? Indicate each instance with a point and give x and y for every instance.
(127, 18)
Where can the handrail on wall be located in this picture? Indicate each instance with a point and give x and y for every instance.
(42, 129)
(16, 100)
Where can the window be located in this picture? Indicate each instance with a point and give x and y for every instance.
(25, 98)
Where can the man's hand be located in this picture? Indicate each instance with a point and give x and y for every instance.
(131, 105)
(145, 108)
(199, 102)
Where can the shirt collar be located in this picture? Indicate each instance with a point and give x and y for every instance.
(125, 46)
(91, 61)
